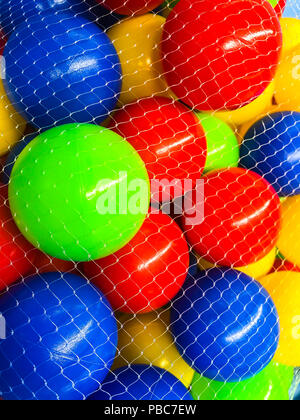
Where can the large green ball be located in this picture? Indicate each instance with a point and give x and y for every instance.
(273, 383)
(79, 192)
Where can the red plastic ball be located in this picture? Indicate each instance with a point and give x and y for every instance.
(168, 137)
(241, 218)
(220, 54)
(147, 272)
(130, 7)
(16, 254)
(279, 8)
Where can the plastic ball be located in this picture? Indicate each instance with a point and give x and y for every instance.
(16, 254)
(66, 55)
(61, 339)
(259, 107)
(290, 34)
(225, 325)
(279, 6)
(256, 270)
(164, 133)
(222, 144)
(13, 155)
(146, 339)
(79, 192)
(130, 7)
(287, 80)
(148, 271)
(12, 13)
(288, 242)
(169, 5)
(241, 218)
(284, 288)
(271, 149)
(141, 382)
(136, 41)
(216, 54)
(12, 125)
(272, 384)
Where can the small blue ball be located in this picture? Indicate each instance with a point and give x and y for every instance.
(141, 382)
(225, 325)
(271, 148)
(62, 69)
(61, 339)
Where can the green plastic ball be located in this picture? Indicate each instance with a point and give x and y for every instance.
(79, 192)
(273, 384)
(222, 144)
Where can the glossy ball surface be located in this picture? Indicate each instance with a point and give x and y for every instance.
(68, 189)
(148, 271)
(241, 218)
(61, 69)
(141, 382)
(169, 139)
(64, 355)
(225, 325)
(219, 54)
(271, 148)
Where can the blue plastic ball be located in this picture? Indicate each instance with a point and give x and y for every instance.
(61, 69)
(13, 13)
(13, 155)
(271, 148)
(141, 382)
(225, 325)
(61, 339)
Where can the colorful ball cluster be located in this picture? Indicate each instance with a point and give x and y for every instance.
(149, 204)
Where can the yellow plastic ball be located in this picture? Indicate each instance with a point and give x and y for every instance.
(290, 34)
(146, 339)
(258, 107)
(137, 42)
(12, 125)
(255, 270)
(289, 236)
(287, 80)
(284, 288)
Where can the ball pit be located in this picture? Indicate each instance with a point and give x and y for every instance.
(84, 163)
(81, 67)
(149, 211)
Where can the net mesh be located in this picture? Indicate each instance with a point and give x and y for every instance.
(149, 236)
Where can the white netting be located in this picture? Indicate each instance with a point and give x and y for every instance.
(150, 182)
